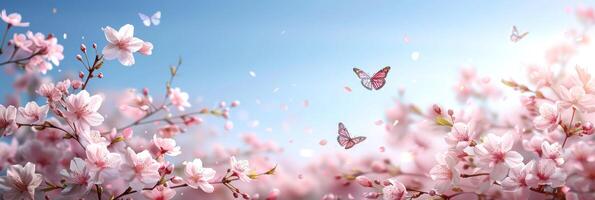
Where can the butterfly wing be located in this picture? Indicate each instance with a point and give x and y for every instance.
(353, 141)
(344, 136)
(379, 79)
(146, 20)
(156, 18)
(364, 77)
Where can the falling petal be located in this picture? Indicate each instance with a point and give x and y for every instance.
(379, 122)
(347, 89)
(322, 142)
(252, 73)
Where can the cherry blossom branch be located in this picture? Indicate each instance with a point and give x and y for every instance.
(4, 37)
(474, 175)
(18, 61)
(226, 181)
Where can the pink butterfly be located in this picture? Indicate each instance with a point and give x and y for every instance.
(345, 139)
(515, 37)
(375, 82)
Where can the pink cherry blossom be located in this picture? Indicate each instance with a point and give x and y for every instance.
(495, 154)
(20, 182)
(164, 146)
(545, 172)
(534, 144)
(198, 177)
(459, 136)
(8, 152)
(122, 44)
(20, 40)
(81, 110)
(77, 177)
(140, 168)
(548, 118)
(584, 78)
(586, 15)
(395, 191)
(13, 19)
(240, 168)
(179, 99)
(32, 113)
(445, 174)
(159, 193)
(88, 137)
(99, 159)
(169, 131)
(582, 152)
(49, 91)
(517, 177)
(147, 49)
(8, 117)
(576, 98)
(364, 181)
(553, 152)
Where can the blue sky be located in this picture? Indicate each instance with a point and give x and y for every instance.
(307, 50)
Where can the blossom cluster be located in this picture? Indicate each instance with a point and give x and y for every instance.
(63, 147)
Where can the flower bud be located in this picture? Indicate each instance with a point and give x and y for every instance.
(79, 57)
(83, 48)
(100, 75)
(364, 181)
(76, 84)
(587, 128)
(437, 109)
(94, 45)
(450, 112)
(222, 104)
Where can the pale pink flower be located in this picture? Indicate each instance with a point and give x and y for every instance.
(577, 98)
(548, 118)
(159, 193)
(240, 168)
(164, 146)
(122, 44)
(582, 152)
(32, 113)
(147, 49)
(517, 177)
(459, 136)
(198, 177)
(8, 117)
(394, 191)
(178, 98)
(20, 40)
(141, 169)
(63, 86)
(540, 76)
(534, 144)
(88, 137)
(584, 78)
(20, 182)
(364, 181)
(77, 177)
(8, 152)
(169, 131)
(445, 174)
(81, 109)
(545, 172)
(49, 91)
(14, 19)
(495, 154)
(99, 159)
(553, 152)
